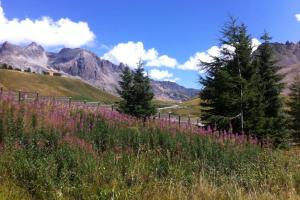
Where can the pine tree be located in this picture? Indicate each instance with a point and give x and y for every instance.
(142, 94)
(294, 107)
(217, 105)
(229, 86)
(136, 93)
(270, 87)
(271, 79)
(126, 91)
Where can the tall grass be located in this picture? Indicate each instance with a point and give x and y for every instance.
(51, 151)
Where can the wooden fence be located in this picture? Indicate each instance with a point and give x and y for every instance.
(30, 97)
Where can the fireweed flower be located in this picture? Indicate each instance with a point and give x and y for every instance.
(78, 117)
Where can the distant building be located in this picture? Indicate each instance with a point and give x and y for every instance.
(51, 73)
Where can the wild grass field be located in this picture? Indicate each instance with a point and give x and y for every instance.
(52, 151)
(53, 86)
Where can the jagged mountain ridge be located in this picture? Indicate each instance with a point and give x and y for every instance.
(85, 65)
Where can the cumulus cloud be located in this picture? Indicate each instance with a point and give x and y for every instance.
(45, 31)
(162, 75)
(131, 52)
(193, 63)
(297, 17)
(255, 44)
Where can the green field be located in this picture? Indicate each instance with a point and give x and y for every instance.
(186, 108)
(53, 86)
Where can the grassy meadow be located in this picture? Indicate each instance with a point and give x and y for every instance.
(52, 151)
(53, 86)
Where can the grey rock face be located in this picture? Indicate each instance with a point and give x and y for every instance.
(288, 58)
(32, 56)
(85, 65)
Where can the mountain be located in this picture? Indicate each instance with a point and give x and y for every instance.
(169, 90)
(84, 65)
(33, 56)
(288, 58)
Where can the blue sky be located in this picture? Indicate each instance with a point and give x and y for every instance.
(166, 33)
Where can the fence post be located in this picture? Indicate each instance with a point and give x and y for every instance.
(37, 97)
(169, 117)
(189, 120)
(179, 117)
(19, 96)
(70, 101)
(1, 92)
(112, 107)
(84, 102)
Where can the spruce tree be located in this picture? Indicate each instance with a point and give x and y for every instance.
(229, 91)
(270, 78)
(270, 87)
(136, 93)
(126, 91)
(294, 107)
(142, 94)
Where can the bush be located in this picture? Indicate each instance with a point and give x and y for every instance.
(27, 70)
(4, 66)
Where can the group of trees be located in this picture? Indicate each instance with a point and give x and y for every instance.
(242, 88)
(136, 93)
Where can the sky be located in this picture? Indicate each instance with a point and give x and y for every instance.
(170, 36)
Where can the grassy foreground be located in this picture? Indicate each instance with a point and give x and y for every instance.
(52, 86)
(55, 152)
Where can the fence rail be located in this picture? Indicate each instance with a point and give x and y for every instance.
(31, 97)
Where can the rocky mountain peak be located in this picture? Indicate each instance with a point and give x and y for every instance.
(9, 47)
(85, 65)
(35, 50)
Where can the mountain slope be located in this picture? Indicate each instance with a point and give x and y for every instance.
(53, 86)
(165, 90)
(288, 58)
(85, 65)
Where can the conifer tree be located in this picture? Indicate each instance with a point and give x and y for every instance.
(227, 94)
(270, 87)
(126, 91)
(142, 94)
(294, 107)
(136, 93)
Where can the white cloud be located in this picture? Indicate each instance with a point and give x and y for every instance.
(255, 44)
(162, 75)
(297, 17)
(45, 31)
(131, 52)
(194, 62)
(163, 60)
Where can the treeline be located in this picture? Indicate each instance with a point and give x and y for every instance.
(9, 67)
(242, 89)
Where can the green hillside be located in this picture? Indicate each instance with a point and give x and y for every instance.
(53, 86)
(190, 107)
